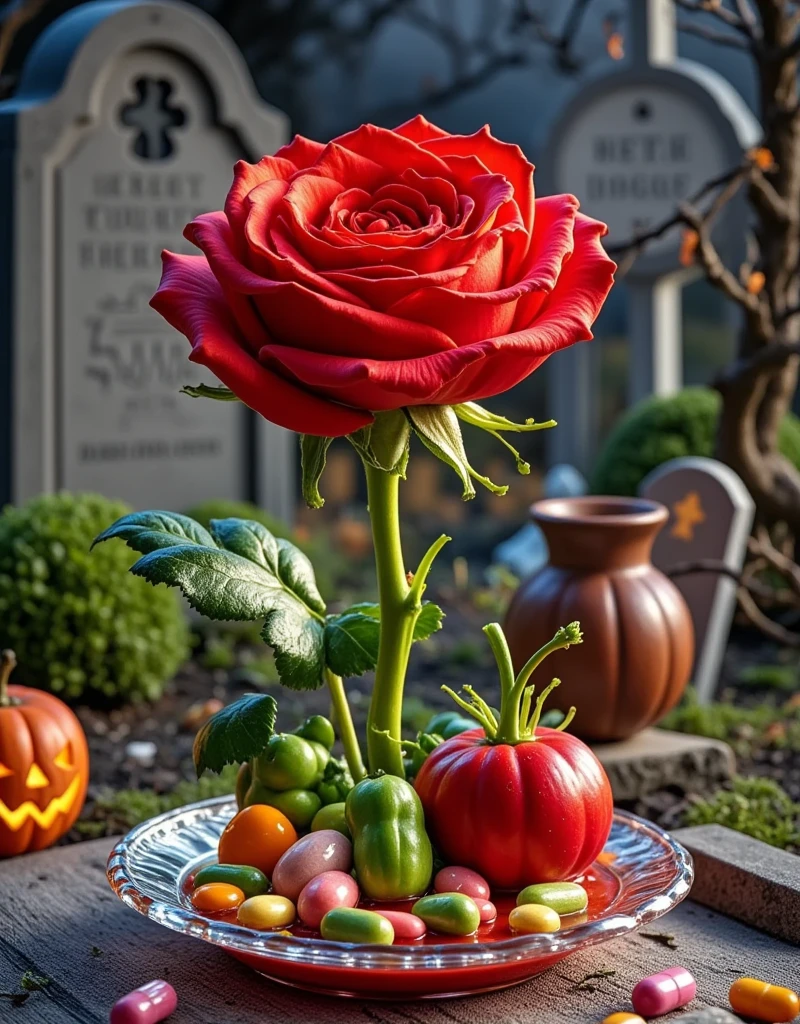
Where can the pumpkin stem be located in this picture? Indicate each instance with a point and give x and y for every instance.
(8, 662)
(517, 723)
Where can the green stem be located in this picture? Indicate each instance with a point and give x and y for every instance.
(344, 723)
(8, 662)
(399, 612)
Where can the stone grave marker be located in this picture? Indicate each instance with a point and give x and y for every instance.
(632, 145)
(711, 514)
(126, 124)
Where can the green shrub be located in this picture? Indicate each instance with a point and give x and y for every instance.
(82, 626)
(662, 428)
(758, 807)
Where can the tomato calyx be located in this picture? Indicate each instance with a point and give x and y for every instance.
(518, 721)
(8, 662)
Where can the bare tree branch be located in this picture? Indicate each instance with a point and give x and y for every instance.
(774, 630)
(738, 21)
(17, 14)
(713, 36)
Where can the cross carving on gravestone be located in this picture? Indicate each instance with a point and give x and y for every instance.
(154, 118)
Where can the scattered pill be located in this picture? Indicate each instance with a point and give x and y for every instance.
(325, 892)
(346, 924)
(455, 879)
(266, 912)
(563, 897)
(451, 913)
(751, 997)
(326, 850)
(250, 880)
(663, 992)
(217, 897)
(149, 1004)
(623, 1018)
(406, 926)
(488, 910)
(708, 1015)
(532, 918)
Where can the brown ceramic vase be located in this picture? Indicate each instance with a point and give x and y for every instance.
(638, 648)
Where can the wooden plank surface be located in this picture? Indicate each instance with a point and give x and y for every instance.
(56, 906)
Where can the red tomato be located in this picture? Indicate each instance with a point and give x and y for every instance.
(537, 811)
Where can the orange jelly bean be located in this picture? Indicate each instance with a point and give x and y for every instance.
(624, 1018)
(751, 997)
(258, 836)
(216, 897)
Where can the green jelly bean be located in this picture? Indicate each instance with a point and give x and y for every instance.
(451, 913)
(331, 816)
(563, 897)
(251, 881)
(348, 924)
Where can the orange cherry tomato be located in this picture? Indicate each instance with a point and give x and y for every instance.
(259, 836)
(217, 897)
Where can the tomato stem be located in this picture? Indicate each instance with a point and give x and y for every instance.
(8, 662)
(344, 724)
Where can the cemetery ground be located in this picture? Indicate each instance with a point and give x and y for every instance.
(141, 761)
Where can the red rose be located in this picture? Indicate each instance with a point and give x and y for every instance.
(385, 269)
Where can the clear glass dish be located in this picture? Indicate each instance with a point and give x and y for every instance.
(641, 874)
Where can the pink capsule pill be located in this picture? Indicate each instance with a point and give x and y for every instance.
(323, 893)
(455, 879)
(661, 993)
(406, 926)
(488, 910)
(149, 1004)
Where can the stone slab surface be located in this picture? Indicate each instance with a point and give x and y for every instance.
(56, 906)
(656, 758)
(755, 883)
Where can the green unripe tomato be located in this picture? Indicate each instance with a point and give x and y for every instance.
(251, 881)
(319, 729)
(299, 805)
(244, 780)
(331, 816)
(438, 722)
(456, 726)
(328, 792)
(348, 924)
(451, 913)
(323, 755)
(563, 897)
(289, 762)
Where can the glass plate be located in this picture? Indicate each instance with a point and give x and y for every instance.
(640, 875)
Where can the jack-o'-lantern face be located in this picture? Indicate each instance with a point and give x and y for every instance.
(43, 771)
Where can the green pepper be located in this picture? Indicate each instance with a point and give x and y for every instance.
(288, 762)
(319, 729)
(391, 851)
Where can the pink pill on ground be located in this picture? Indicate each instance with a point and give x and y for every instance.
(323, 893)
(406, 926)
(455, 879)
(488, 910)
(661, 993)
(149, 1004)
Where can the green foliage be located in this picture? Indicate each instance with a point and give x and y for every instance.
(235, 734)
(116, 811)
(662, 428)
(775, 677)
(81, 625)
(758, 807)
(351, 639)
(745, 728)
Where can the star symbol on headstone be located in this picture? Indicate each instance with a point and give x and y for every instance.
(688, 514)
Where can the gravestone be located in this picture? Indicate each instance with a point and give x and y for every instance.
(711, 514)
(126, 124)
(633, 145)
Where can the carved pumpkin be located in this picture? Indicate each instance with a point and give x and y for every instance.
(44, 766)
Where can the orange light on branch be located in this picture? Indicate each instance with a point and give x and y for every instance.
(689, 242)
(756, 282)
(615, 45)
(762, 158)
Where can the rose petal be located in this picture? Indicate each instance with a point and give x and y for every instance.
(302, 152)
(420, 129)
(553, 243)
(392, 152)
(191, 300)
(382, 286)
(246, 177)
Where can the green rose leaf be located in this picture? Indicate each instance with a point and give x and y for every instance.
(298, 642)
(218, 584)
(438, 428)
(313, 454)
(152, 530)
(351, 638)
(235, 734)
(215, 391)
(429, 621)
(292, 570)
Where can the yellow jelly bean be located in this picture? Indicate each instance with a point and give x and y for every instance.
(533, 917)
(265, 912)
(623, 1018)
(751, 997)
